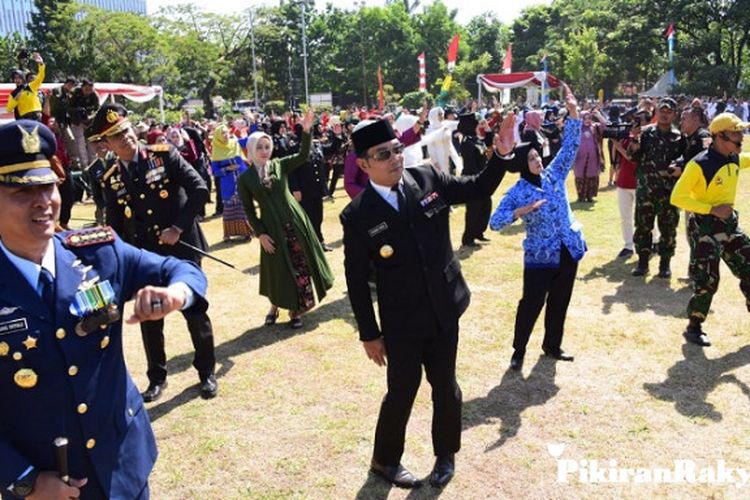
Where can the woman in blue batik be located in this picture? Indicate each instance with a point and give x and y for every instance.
(554, 243)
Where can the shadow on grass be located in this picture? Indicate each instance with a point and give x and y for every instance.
(376, 488)
(691, 380)
(583, 206)
(656, 295)
(511, 398)
(250, 340)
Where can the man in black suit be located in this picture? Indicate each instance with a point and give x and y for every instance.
(399, 225)
(153, 199)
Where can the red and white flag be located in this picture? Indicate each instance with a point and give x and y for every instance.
(508, 61)
(453, 53)
(669, 32)
(422, 73)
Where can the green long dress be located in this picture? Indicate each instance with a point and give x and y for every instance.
(279, 274)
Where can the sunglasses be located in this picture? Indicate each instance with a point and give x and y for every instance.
(727, 138)
(385, 154)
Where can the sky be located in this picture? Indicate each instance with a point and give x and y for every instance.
(506, 10)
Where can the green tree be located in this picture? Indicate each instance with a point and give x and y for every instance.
(583, 61)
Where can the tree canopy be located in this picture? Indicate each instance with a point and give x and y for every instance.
(591, 44)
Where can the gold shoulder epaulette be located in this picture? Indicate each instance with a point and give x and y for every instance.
(158, 148)
(109, 172)
(90, 236)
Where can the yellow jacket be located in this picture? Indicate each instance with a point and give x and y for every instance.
(709, 180)
(27, 101)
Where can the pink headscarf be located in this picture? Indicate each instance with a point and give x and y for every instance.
(533, 120)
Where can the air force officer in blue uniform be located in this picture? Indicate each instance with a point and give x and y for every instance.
(62, 371)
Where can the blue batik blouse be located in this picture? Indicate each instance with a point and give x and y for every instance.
(551, 225)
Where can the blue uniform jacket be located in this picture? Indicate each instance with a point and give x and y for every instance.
(551, 225)
(83, 390)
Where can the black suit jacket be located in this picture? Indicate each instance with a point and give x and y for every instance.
(158, 190)
(422, 276)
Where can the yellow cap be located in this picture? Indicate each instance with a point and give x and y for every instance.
(727, 122)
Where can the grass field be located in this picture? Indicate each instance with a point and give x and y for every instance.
(296, 412)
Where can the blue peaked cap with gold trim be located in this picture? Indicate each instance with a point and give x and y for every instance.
(26, 148)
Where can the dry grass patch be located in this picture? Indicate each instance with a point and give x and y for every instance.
(296, 411)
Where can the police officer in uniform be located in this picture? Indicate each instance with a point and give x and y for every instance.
(707, 189)
(308, 186)
(63, 380)
(656, 150)
(156, 191)
(399, 225)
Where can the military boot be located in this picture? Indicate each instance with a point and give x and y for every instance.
(664, 270)
(642, 267)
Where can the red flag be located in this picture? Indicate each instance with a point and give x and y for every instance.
(453, 53)
(669, 32)
(381, 94)
(508, 59)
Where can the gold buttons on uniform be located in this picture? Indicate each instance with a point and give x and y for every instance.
(60, 333)
(90, 443)
(17, 356)
(73, 370)
(4, 349)
(83, 408)
(105, 342)
(149, 211)
(142, 196)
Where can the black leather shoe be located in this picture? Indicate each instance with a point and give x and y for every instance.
(664, 270)
(695, 335)
(443, 471)
(397, 475)
(516, 362)
(624, 253)
(209, 387)
(153, 392)
(483, 238)
(559, 355)
(642, 268)
(471, 244)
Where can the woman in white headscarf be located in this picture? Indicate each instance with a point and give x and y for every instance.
(292, 264)
(438, 138)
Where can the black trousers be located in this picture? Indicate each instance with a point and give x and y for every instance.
(67, 198)
(313, 206)
(476, 219)
(202, 335)
(406, 356)
(336, 171)
(555, 286)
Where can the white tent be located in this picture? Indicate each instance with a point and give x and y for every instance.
(662, 87)
(135, 93)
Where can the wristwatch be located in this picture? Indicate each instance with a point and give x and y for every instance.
(24, 485)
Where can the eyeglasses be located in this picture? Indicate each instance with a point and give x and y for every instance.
(385, 154)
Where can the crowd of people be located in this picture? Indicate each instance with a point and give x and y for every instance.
(270, 176)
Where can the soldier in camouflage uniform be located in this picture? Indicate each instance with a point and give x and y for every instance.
(655, 151)
(707, 189)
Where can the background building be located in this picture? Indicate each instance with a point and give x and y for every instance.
(15, 14)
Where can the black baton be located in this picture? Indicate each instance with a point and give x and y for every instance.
(205, 254)
(61, 452)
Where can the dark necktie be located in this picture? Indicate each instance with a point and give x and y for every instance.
(401, 200)
(47, 289)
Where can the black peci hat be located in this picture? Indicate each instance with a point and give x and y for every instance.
(375, 133)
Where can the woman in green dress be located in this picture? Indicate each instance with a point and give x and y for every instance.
(292, 263)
